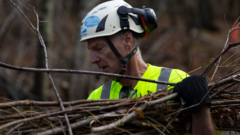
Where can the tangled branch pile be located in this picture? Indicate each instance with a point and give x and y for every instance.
(148, 114)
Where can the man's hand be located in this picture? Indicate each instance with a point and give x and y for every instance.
(192, 90)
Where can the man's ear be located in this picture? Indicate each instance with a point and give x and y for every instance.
(128, 40)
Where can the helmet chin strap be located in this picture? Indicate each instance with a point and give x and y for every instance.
(124, 60)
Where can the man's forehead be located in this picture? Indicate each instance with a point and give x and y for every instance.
(92, 43)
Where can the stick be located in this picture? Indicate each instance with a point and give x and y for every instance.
(80, 123)
(46, 60)
(132, 114)
(56, 112)
(226, 102)
(12, 129)
(170, 122)
(224, 81)
(218, 58)
(214, 94)
(55, 103)
(26, 103)
(79, 72)
(229, 33)
(49, 76)
(33, 118)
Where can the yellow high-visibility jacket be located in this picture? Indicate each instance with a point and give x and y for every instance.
(111, 89)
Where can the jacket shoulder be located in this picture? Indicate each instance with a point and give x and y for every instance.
(177, 75)
(96, 93)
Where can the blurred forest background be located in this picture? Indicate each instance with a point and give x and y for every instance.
(190, 34)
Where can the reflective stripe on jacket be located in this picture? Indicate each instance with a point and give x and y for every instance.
(111, 89)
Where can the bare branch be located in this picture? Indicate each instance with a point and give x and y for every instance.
(133, 114)
(80, 123)
(224, 81)
(54, 103)
(79, 72)
(225, 46)
(12, 129)
(46, 60)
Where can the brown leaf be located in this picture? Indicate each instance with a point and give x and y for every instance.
(135, 99)
(230, 120)
(153, 98)
(140, 113)
(149, 93)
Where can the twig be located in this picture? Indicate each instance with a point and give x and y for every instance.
(80, 123)
(79, 72)
(12, 129)
(119, 122)
(223, 89)
(230, 105)
(128, 111)
(224, 81)
(46, 60)
(61, 125)
(230, 74)
(213, 103)
(33, 118)
(225, 102)
(38, 103)
(229, 33)
(231, 69)
(229, 58)
(194, 70)
(54, 112)
(25, 6)
(132, 114)
(170, 122)
(104, 123)
(218, 58)
(24, 17)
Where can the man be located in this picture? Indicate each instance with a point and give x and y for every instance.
(113, 30)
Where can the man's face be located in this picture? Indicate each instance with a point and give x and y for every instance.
(103, 56)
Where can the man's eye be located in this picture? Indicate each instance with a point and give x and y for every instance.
(99, 49)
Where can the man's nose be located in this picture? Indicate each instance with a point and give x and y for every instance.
(95, 58)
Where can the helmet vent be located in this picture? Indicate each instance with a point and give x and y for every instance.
(94, 12)
(101, 25)
(102, 8)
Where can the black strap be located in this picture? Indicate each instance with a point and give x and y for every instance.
(113, 47)
(125, 59)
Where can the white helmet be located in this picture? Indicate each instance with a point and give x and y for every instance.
(113, 16)
(103, 20)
